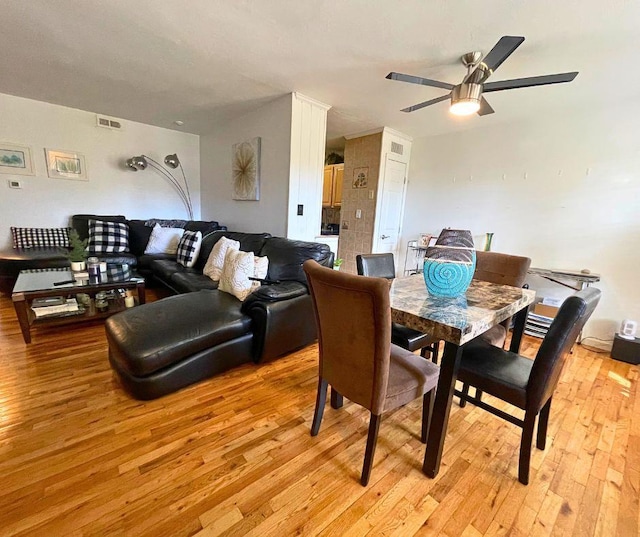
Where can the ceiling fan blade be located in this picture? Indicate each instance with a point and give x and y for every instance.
(419, 80)
(426, 103)
(529, 81)
(501, 51)
(485, 108)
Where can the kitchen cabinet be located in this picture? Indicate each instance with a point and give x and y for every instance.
(332, 185)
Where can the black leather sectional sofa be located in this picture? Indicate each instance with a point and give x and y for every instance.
(163, 346)
(13, 260)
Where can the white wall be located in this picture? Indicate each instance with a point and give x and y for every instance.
(271, 122)
(111, 189)
(563, 190)
(306, 171)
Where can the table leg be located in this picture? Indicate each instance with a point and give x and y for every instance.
(22, 312)
(440, 418)
(141, 293)
(518, 329)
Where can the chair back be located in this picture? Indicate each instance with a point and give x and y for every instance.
(503, 269)
(376, 265)
(353, 316)
(562, 334)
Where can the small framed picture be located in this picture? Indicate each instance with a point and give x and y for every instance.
(360, 177)
(424, 240)
(66, 165)
(15, 159)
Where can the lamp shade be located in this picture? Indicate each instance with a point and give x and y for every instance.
(137, 163)
(172, 161)
(465, 99)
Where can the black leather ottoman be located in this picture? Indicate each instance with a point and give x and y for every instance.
(160, 347)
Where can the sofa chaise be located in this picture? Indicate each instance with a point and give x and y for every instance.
(166, 345)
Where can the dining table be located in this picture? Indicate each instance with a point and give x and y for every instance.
(456, 321)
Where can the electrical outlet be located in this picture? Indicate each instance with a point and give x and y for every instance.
(14, 183)
(300, 210)
(370, 194)
(358, 213)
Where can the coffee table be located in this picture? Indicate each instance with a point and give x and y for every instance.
(42, 283)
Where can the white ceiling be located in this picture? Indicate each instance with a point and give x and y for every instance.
(201, 61)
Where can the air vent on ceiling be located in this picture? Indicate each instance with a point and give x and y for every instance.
(397, 148)
(108, 122)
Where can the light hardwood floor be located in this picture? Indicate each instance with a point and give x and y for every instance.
(233, 455)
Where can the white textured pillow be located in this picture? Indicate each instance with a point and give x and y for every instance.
(164, 240)
(215, 261)
(238, 266)
(260, 270)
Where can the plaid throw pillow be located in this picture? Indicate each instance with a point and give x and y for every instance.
(189, 248)
(40, 237)
(108, 237)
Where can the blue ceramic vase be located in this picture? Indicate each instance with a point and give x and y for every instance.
(449, 264)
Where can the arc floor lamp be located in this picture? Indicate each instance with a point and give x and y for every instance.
(172, 161)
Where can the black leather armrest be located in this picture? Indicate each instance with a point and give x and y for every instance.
(276, 293)
(280, 326)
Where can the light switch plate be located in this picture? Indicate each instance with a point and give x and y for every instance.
(358, 213)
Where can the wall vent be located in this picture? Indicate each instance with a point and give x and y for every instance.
(397, 148)
(108, 122)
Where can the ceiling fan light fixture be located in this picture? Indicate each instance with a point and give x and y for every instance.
(465, 99)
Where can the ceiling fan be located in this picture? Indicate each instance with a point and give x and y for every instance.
(467, 97)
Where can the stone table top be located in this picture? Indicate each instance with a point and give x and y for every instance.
(456, 320)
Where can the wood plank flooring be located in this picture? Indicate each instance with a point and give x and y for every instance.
(233, 455)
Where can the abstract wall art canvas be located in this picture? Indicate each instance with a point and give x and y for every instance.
(246, 170)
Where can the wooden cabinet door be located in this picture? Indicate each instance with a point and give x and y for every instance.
(338, 176)
(327, 186)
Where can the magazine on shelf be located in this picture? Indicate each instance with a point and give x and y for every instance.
(69, 307)
(47, 301)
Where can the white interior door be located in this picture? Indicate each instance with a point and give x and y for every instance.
(389, 218)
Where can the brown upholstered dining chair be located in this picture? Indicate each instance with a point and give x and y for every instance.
(357, 357)
(503, 269)
(383, 266)
(524, 383)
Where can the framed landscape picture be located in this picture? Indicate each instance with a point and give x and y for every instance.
(66, 165)
(15, 159)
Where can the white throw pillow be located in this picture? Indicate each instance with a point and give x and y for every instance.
(164, 240)
(260, 270)
(215, 261)
(238, 266)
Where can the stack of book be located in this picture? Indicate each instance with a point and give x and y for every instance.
(55, 306)
(540, 318)
(537, 325)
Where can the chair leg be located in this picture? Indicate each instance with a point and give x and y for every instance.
(543, 421)
(321, 398)
(336, 399)
(435, 349)
(465, 391)
(478, 394)
(525, 447)
(427, 409)
(372, 437)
